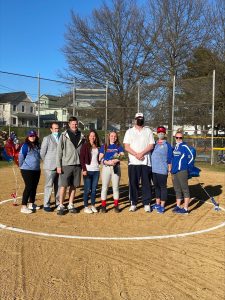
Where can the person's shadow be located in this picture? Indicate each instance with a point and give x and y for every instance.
(197, 194)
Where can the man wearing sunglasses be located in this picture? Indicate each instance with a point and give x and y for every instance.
(182, 158)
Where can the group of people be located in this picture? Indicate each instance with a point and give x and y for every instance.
(69, 155)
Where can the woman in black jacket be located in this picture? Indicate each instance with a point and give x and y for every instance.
(89, 159)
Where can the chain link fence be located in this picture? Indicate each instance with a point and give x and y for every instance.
(185, 104)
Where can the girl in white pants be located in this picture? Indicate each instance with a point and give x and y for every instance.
(109, 155)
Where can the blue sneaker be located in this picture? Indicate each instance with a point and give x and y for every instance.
(183, 211)
(155, 206)
(175, 209)
(47, 209)
(160, 210)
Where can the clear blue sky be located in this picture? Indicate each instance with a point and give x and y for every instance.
(31, 38)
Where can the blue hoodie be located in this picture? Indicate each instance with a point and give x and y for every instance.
(182, 158)
(29, 159)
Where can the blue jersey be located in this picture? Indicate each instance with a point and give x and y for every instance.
(112, 150)
(161, 157)
(182, 158)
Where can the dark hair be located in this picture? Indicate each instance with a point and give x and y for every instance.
(53, 123)
(72, 119)
(97, 142)
(34, 144)
(117, 142)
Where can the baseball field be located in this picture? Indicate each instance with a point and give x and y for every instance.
(113, 256)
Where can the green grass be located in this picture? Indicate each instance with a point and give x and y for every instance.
(213, 168)
(4, 163)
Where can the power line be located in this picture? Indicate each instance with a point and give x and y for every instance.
(36, 77)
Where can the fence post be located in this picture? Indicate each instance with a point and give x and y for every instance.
(74, 97)
(106, 108)
(173, 101)
(138, 96)
(39, 95)
(213, 104)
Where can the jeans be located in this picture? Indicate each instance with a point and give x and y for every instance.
(90, 186)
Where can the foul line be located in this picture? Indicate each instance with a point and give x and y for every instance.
(153, 237)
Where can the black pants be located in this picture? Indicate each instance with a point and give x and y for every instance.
(31, 179)
(160, 183)
(137, 173)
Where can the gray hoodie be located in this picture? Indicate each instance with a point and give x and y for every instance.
(67, 154)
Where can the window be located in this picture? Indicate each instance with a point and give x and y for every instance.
(64, 112)
(23, 108)
(31, 122)
(31, 109)
(14, 121)
(23, 121)
(14, 107)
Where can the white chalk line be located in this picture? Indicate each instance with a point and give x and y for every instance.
(153, 237)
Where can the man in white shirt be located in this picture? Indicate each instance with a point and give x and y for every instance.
(138, 142)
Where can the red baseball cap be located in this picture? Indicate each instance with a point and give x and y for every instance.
(161, 129)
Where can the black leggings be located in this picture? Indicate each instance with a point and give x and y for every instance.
(31, 179)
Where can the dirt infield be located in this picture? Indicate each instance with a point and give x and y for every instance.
(47, 267)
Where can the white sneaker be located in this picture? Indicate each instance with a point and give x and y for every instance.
(147, 208)
(133, 208)
(60, 207)
(87, 210)
(93, 208)
(70, 206)
(26, 210)
(33, 206)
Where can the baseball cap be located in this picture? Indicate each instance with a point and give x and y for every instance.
(139, 115)
(161, 129)
(32, 133)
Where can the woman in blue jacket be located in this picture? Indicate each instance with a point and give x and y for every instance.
(182, 158)
(29, 163)
(161, 166)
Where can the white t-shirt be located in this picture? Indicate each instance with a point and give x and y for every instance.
(94, 165)
(138, 141)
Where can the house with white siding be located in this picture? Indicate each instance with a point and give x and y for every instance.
(17, 109)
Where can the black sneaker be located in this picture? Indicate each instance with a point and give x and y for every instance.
(103, 210)
(73, 210)
(117, 209)
(47, 209)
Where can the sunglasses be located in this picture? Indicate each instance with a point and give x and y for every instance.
(178, 137)
(32, 135)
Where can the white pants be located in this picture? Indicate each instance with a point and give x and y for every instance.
(107, 174)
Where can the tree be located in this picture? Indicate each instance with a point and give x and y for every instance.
(183, 29)
(111, 45)
(196, 89)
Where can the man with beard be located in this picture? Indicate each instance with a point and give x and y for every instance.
(138, 142)
(68, 164)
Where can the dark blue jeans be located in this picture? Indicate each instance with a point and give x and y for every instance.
(90, 186)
